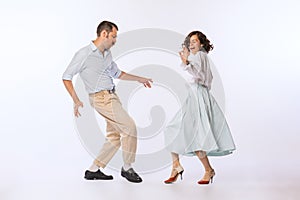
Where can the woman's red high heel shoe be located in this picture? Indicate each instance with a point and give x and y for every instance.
(179, 171)
(210, 175)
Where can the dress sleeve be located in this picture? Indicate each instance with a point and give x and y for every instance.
(194, 67)
(206, 70)
(199, 68)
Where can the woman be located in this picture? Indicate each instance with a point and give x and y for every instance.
(199, 127)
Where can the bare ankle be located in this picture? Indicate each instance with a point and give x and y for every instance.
(177, 164)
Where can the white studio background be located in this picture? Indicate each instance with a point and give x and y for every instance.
(256, 53)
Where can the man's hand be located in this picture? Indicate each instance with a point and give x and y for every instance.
(146, 82)
(76, 107)
(77, 103)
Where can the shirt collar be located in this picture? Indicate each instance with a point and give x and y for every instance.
(93, 46)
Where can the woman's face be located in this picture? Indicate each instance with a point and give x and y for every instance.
(195, 44)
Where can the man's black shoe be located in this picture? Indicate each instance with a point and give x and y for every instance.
(98, 175)
(131, 175)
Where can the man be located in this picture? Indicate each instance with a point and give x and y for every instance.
(97, 69)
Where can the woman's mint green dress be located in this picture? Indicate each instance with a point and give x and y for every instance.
(200, 123)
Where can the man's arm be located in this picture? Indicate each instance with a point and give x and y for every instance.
(77, 103)
(129, 77)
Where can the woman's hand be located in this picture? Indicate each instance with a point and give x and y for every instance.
(184, 54)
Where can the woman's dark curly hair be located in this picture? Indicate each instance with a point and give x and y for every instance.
(203, 40)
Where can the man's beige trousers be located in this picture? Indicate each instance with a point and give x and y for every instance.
(121, 129)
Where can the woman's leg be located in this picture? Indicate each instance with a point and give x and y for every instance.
(209, 171)
(204, 160)
(176, 164)
(176, 169)
(175, 158)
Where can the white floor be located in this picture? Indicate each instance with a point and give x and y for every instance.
(151, 188)
(229, 183)
(51, 165)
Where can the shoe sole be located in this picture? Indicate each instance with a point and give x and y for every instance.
(132, 181)
(98, 178)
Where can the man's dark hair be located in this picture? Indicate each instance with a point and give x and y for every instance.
(106, 25)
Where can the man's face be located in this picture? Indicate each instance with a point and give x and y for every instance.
(111, 38)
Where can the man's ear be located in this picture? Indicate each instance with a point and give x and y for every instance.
(104, 33)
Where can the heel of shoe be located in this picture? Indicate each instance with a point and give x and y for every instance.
(181, 174)
(212, 176)
(210, 180)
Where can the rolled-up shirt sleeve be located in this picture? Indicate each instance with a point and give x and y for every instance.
(74, 67)
(114, 71)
